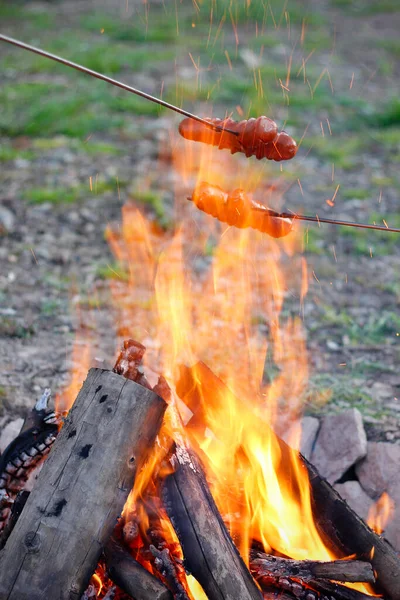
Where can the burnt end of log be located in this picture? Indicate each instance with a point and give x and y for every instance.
(130, 576)
(76, 500)
(21, 457)
(341, 529)
(348, 571)
(312, 590)
(209, 552)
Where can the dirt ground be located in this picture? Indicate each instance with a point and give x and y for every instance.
(71, 158)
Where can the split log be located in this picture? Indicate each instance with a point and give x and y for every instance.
(209, 552)
(340, 527)
(81, 490)
(306, 570)
(130, 576)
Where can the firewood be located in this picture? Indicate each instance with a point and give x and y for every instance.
(313, 590)
(341, 529)
(81, 490)
(209, 552)
(130, 576)
(306, 570)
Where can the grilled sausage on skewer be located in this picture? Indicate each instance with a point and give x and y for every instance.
(256, 137)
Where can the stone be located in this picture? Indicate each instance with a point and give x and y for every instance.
(7, 220)
(379, 471)
(356, 498)
(10, 431)
(341, 442)
(301, 435)
(309, 430)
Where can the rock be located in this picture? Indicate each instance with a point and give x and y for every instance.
(381, 392)
(309, 430)
(10, 431)
(379, 471)
(7, 220)
(356, 498)
(305, 431)
(341, 442)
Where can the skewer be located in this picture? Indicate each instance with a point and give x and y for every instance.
(120, 84)
(316, 219)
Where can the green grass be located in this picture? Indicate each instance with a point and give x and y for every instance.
(335, 393)
(364, 8)
(381, 243)
(154, 201)
(355, 193)
(158, 28)
(114, 270)
(44, 110)
(343, 151)
(70, 195)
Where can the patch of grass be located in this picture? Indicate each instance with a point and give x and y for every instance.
(40, 195)
(33, 17)
(392, 46)
(45, 110)
(10, 327)
(381, 243)
(355, 193)
(367, 7)
(342, 152)
(334, 393)
(160, 26)
(155, 202)
(114, 270)
(8, 153)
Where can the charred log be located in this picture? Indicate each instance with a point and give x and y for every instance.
(130, 576)
(209, 552)
(306, 570)
(81, 490)
(24, 454)
(314, 590)
(342, 530)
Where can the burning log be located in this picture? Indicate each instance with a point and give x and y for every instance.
(342, 530)
(307, 570)
(209, 551)
(24, 454)
(81, 490)
(130, 576)
(313, 590)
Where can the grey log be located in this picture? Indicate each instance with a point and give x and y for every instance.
(209, 552)
(131, 577)
(341, 528)
(81, 490)
(354, 571)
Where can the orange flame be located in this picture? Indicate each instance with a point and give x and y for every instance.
(380, 513)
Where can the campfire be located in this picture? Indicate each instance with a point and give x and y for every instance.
(167, 476)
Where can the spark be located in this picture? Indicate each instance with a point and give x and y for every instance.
(370, 252)
(90, 183)
(319, 79)
(329, 125)
(228, 59)
(34, 256)
(300, 186)
(303, 31)
(386, 225)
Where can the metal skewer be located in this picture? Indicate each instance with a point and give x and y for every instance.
(124, 86)
(289, 215)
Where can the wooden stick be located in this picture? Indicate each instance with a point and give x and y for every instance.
(81, 490)
(342, 530)
(209, 552)
(130, 576)
(339, 570)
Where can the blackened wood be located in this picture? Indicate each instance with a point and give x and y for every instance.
(81, 490)
(312, 590)
(15, 513)
(209, 552)
(340, 527)
(339, 570)
(130, 576)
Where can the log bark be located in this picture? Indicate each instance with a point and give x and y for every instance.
(342, 530)
(209, 552)
(81, 490)
(352, 571)
(130, 576)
